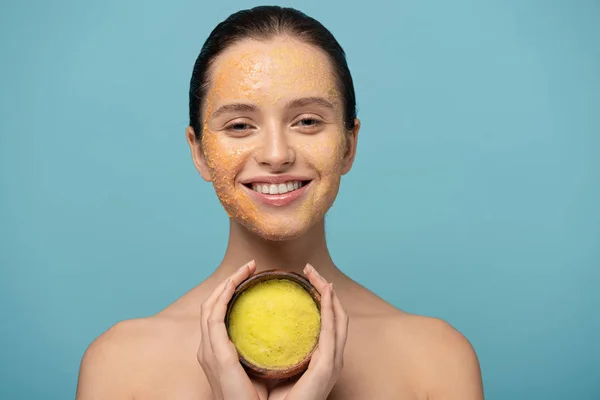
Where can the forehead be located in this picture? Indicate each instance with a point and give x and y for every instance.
(271, 71)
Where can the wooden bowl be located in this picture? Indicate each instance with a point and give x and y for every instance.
(288, 372)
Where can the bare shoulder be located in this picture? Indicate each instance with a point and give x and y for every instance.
(447, 365)
(421, 357)
(106, 366)
(124, 359)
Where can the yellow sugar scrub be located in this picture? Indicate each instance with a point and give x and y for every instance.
(274, 322)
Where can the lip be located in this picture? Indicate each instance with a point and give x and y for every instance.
(275, 179)
(277, 200)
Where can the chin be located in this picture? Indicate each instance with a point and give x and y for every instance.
(283, 224)
(278, 229)
(277, 233)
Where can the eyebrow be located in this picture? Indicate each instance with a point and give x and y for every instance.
(236, 107)
(296, 103)
(306, 101)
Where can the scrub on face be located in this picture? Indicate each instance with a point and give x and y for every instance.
(274, 324)
(268, 75)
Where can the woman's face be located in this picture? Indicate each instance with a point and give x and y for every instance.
(273, 142)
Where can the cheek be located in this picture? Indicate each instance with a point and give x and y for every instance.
(224, 160)
(326, 155)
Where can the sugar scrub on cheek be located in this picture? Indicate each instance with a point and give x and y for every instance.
(274, 324)
(325, 156)
(225, 160)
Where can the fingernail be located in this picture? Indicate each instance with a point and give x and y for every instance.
(245, 266)
(331, 286)
(310, 268)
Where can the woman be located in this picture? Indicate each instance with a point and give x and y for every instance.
(273, 126)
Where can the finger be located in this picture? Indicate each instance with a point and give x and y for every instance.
(315, 278)
(327, 334)
(341, 328)
(224, 351)
(242, 274)
(238, 276)
(261, 389)
(221, 345)
(205, 355)
(205, 350)
(219, 305)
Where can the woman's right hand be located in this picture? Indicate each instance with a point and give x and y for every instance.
(217, 355)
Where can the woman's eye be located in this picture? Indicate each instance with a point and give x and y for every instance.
(309, 125)
(238, 127)
(308, 122)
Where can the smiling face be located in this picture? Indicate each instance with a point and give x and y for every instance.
(273, 142)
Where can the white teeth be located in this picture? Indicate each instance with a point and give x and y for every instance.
(280, 188)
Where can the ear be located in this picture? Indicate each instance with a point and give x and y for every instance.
(351, 142)
(198, 154)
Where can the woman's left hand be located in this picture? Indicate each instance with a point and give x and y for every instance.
(328, 359)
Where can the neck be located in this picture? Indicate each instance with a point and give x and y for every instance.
(290, 255)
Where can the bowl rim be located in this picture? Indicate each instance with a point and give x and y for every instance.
(302, 365)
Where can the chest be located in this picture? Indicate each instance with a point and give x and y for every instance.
(362, 378)
(372, 370)
(345, 389)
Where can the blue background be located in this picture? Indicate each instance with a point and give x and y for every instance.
(474, 197)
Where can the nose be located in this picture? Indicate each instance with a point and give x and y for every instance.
(276, 153)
